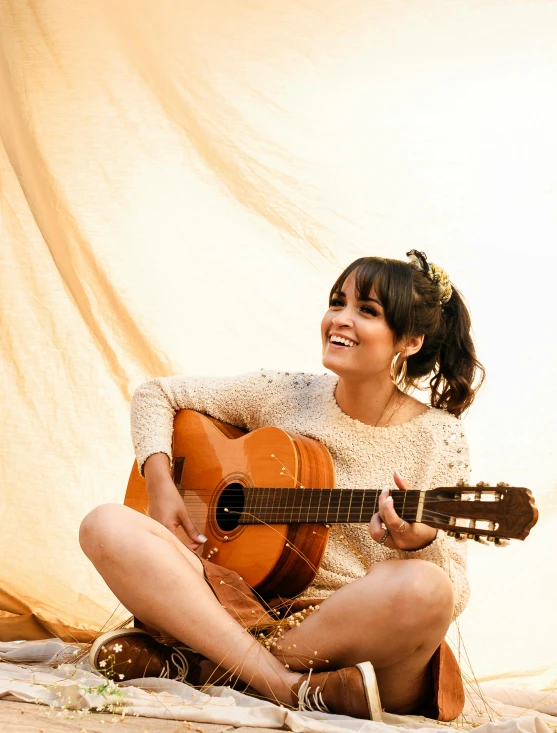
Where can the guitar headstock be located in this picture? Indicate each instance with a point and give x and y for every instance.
(493, 513)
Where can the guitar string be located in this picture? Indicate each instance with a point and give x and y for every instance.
(407, 505)
(427, 515)
(299, 503)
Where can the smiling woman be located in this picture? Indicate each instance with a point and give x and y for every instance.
(378, 639)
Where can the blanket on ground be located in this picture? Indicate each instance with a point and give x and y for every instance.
(43, 672)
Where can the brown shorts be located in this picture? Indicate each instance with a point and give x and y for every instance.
(236, 596)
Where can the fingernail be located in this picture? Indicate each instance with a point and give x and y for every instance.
(201, 538)
(398, 473)
(388, 499)
(385, 490)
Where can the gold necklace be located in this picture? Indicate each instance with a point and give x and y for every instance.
(398, 404)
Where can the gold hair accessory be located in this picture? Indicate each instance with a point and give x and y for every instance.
(436, 274)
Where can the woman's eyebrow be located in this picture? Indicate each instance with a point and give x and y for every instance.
(341, 294)
(370, 300)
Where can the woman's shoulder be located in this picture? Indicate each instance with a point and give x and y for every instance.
(446, 430)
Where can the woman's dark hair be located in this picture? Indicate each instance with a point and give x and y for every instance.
(411, 305)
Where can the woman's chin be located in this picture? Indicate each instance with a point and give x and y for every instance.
(335, 363)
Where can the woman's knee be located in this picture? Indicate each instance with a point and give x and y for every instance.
(101, 524)
(419, 592)
(427, 594)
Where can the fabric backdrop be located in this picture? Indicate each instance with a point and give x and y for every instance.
(180, 184)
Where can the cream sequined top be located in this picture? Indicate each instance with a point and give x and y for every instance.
(429, 451)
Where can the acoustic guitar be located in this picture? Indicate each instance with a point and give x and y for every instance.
(266, 499)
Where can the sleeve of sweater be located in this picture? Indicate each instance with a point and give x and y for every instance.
(235, 400)
(450, 554)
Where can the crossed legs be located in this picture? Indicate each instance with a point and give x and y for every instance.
(395, 617)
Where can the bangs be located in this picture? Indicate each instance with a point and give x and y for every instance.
(393, 285)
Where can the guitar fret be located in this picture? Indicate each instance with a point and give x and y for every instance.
(258, 503)
(362, 496)
(281, 496)
(370, 503)
(317, 516)
(263, 512)
(344, 502)
(269, 501)
(377, 492)
(335, 497)
(349, 505)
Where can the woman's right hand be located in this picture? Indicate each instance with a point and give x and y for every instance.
(165, 503)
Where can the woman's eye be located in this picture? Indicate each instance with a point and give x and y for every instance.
(368, 309)
(335, 303)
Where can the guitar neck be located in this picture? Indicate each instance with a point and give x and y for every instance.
(323, 506)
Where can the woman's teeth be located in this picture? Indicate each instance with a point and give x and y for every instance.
(342, 341)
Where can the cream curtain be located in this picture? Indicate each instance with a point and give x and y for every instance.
(180, 183)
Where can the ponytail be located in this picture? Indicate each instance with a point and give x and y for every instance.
(459, 374)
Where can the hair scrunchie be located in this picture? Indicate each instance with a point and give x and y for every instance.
(436, 274)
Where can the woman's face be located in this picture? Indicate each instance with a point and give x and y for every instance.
(357, 342)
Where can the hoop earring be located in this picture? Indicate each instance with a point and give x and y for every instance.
(398, 376)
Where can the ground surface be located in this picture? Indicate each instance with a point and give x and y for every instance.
(18, 717)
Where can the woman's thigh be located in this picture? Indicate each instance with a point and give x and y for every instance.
(395, 617)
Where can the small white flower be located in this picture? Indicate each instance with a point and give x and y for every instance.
(121, 676)
(117, 647)
(103, 663)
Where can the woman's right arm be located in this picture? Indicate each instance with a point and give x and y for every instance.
(234, 400)
(165, 503)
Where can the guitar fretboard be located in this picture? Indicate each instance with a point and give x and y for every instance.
(320, 506)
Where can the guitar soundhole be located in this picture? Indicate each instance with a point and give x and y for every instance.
(230, 507)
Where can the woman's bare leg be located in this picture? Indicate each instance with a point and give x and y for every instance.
(161, 582)
(395, 617)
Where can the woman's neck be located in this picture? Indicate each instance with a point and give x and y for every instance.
(369, 402)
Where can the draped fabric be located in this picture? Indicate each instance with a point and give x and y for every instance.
(179, 185)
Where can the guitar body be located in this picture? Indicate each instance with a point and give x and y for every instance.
(220, 461)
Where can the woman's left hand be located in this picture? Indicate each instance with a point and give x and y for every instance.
(402, 535)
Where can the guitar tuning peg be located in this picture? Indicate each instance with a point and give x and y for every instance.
(490, 538)
(482, 484)
(502, 483)
(457, 535)
(471, 536)
(502, 542)
(481, 540)
(450, 533)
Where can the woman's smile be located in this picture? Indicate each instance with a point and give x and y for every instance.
(341, 341)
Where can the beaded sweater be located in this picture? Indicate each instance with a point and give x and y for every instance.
(429, 451)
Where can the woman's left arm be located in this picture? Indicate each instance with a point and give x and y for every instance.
(418, 540)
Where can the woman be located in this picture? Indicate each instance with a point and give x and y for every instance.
(390, 325)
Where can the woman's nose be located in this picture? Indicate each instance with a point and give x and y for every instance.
(342, 319)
